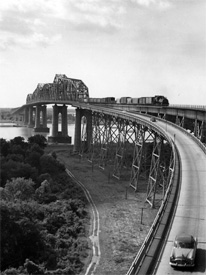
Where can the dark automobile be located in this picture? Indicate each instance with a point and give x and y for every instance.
(153, 119)
(183, 251)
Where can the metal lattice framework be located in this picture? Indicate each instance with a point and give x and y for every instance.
(137, 155)
(154, 170)
(63, 88)
(111, 135)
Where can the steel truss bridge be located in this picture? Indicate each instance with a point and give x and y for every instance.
(172, 159)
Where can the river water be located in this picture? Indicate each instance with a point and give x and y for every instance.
(7, 131)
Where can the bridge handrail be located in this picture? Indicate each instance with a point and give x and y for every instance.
(197, 141)
(139, 257)
(150, 236)
(202, 107)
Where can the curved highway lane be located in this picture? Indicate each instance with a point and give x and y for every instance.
(190, 214)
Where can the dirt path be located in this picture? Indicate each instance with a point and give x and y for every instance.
(124, 217)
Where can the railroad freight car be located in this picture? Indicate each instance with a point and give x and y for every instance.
(104, 100)
(156, 100)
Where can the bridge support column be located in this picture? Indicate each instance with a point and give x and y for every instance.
(44, 118)
(31, 119)
(64, 121)
(59, 136)
(37, 117)
(89, 129)
(196, 128)
(139, 143)
(26, 116)
(83, 130)
(41, 126)
(77, 134)
(203, 132)
(154, 170)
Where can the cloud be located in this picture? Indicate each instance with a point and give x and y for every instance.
(159, 4)
(24, 22)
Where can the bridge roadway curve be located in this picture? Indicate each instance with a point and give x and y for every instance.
(190, 216)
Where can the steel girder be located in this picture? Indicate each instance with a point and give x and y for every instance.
(139, 143)
(95, 143)
(154, 170)
(125, 133)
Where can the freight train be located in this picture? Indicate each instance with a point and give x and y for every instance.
(159, 100)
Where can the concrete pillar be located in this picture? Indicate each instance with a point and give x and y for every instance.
(77, 134)
(203, 132)
(41, 126)
(64, 121)
(37, 116)
(55, 121)
(59, 136)
(195, 128)
(31, 120)
(44, 115)
(26, 116)
(89, 128)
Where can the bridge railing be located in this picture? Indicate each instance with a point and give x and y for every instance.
(150, 236)
(196, 140)
(197, 107)
(138, 261)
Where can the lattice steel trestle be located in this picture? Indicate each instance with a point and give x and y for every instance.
(128, 147)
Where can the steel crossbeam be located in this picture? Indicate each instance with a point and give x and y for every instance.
(154, 170)
(120, 148)
(106, 139)
(137, 155)
(95, 143)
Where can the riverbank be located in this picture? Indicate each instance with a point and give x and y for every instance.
(124, 217)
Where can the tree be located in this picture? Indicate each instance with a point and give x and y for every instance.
(20, 188)
(38, 139)
(51, 165)
(12, 169)
(20, 237)
(19, 141)
(4, 147)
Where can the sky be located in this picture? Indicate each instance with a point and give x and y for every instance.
(116, 47)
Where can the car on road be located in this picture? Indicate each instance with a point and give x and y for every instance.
(183, 251)
(153, 119)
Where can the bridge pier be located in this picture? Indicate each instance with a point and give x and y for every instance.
(41, 126)
(203, 132)
(83, 131)
(62, 135)
(31, 117)
(26, 116)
